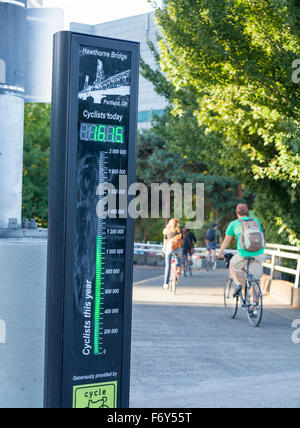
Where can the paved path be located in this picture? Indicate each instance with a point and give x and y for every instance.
(187, 353)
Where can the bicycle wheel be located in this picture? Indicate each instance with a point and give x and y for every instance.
(185, 267)
(173, 279)
(174, 285)
(254, 304)
(230, 302)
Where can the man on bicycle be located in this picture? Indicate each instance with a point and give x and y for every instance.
(238, 228)
(212, 237)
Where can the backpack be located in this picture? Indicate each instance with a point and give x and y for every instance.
(211, 235)
(252, 239)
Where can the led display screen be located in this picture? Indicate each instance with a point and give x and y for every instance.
(102, 133)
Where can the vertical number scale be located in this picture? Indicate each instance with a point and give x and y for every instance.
(100, 262)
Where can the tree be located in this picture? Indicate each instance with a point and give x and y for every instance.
(156, 164)
(36, 162)
(230, 67)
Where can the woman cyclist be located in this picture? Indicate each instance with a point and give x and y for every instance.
(172, 245)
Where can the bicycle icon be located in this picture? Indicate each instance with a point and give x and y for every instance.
(99, 404)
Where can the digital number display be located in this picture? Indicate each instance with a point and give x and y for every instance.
(102, 133)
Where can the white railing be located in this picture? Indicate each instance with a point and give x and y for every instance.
(275, 253)
(156, 249)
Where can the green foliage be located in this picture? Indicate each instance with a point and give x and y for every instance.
(157, 164)
(36, 162)
(229, 63)
(149, 230)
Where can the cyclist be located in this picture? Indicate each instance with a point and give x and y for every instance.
(239, 261)
(213, 235)
(191, 237)
(189, 240)
(172, 245)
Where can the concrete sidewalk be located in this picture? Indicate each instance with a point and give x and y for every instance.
(187, 353)
(203, 288)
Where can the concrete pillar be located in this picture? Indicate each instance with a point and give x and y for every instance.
(25, 68)
(42, 24)
(12, 87)
(11, 157)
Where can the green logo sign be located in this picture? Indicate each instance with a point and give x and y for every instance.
(96, 396)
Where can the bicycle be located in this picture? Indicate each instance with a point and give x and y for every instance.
(210, 265)
(187, 264)
(174, 277)
(251, 301)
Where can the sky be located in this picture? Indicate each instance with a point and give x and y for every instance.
(98, 11)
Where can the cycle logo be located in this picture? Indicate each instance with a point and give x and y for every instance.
(97, 396)
(296, 333)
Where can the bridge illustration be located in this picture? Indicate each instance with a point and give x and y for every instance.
(118, 85)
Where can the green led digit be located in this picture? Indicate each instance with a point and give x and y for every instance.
(111, 134)
(84, 132)
(101, 134)
(93, 132)
(119, 134)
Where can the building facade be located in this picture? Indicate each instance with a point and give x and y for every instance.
(34, 3)
(138, 28)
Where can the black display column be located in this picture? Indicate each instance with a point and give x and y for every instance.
(90, 256)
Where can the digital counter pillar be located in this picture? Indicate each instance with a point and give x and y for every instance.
(90, 256)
